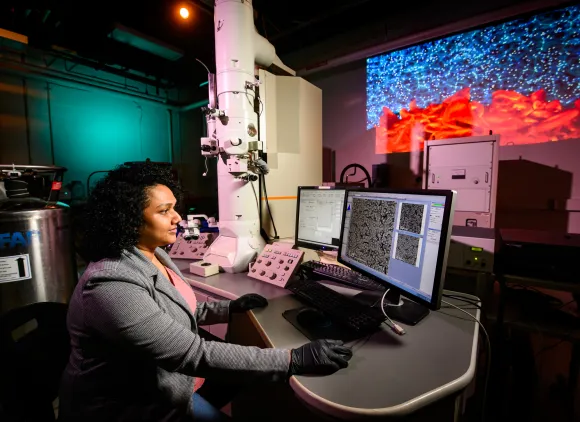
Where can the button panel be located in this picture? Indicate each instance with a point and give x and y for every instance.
(191, 249)
(276, 264)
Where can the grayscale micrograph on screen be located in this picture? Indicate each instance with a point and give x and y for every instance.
(370, 235)
(411, 219)
(407, 248)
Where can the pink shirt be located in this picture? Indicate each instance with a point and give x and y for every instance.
(187, 293)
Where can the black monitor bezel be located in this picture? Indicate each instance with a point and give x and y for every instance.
(309, 245)
(442, 254)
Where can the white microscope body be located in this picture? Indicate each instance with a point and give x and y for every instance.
(232, 124)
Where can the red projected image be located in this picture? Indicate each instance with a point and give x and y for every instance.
(517, 118)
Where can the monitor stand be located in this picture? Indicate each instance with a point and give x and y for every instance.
(397, 308)
(330, 256)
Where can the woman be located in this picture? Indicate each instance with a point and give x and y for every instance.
(136, 353)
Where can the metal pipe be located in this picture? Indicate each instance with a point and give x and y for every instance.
(32, 167)
(80, 82)
(26, 117)
(207, 9)
(50, 123)
(170, 124)
(198, 104)
(108, 69)
(39, 73)
(47, 75)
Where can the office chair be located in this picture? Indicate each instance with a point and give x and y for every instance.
(34, 350)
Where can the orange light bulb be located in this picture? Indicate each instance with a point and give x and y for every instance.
(184, 12)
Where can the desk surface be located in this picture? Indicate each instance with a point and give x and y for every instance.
(389, 375)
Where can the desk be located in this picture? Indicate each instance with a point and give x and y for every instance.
(389, 375)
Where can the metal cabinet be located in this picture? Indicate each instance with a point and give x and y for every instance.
(470, 167)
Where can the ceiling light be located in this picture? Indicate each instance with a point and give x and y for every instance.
(184, 12)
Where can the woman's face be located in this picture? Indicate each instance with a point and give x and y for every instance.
(160, 218)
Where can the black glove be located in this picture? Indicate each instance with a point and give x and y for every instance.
(247, 302)
(320, 357)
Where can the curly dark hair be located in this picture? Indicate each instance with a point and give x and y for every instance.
(114, 212)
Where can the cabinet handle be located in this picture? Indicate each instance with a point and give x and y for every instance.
(486, 177)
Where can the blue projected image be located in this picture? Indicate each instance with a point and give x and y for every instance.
(520, 79)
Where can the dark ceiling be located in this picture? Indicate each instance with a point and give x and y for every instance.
(83, 27)
(291, 26)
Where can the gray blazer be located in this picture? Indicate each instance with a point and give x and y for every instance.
(135, 348)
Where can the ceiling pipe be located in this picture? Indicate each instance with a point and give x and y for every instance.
(200, 5)
(192, 106)
(85, 83)
(79, 81)
(93, 64)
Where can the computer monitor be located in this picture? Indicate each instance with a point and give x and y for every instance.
(400, 239)
(319, 217)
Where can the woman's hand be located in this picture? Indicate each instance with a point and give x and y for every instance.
(320, 357)
(248, 302)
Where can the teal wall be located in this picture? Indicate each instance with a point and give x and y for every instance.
(82, 130)
(93, 131)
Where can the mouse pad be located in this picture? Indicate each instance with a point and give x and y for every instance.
(329, 330)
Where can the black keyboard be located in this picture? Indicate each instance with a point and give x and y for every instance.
(315, 269)
(341, 309)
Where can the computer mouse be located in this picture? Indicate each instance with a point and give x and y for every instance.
(344, 352)
(313, 318)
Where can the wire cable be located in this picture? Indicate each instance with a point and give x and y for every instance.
(236, 93)
(567, 303)
(91, 175)
(255, 195)
(261, 106)
(550, 347)
(268, 206)
(464, 299)
(356, 345)
(395, 327)
(488, 364)
(203, 64)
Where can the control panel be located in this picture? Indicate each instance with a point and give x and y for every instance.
(191, 248)
(276, 264)
(472, 248)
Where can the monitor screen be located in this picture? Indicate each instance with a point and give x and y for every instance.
(399, 238)
(319, 217)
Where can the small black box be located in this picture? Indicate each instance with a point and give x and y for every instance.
(539, 254)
